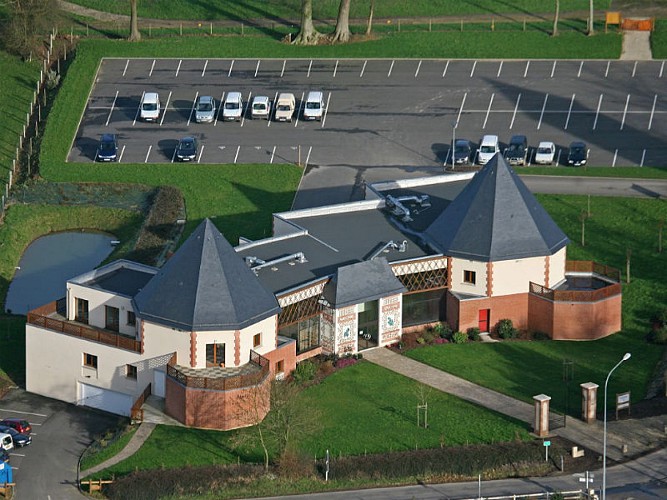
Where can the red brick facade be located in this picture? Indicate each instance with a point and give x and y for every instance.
(464, 314)
(285, 353)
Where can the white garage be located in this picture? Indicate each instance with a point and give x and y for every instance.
(105, 399)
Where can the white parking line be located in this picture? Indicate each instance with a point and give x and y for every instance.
(458, 117)
(120, 158)
(544, 106)
(472, 70)
(581, 65)
(418, 66)
(500, 68)
(126, 65)
(613, 163)
(231, 66)
(597, 112)
(148, 153)
(113, 104)
(138, 108)
(217, 115)
(308, 155)
(650, 121)
(203, 71)
(392, 67)
(662, 67)
(298, 114)
(247, 108)
(5, 410)
(553, 69)
(273, 153)
(488, 110)
(282, 72)
(606, 72)
(257, 68)
(525, 73)
(238, 149)
(150, 73)
(569, 112)
(444, 71)
(641, 163)
(17, 454)
(201, 152)
(335, 69)
(634, 69)
(194, 103)
(166, 107)
(363, 68)
(516, 106)
(625, 111)
(179, 67)
(326, 110)
(310, 65)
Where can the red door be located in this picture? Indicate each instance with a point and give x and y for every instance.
(484, 315)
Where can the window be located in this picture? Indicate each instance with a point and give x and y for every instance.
(131, 372)
(469, 277)
(423, 307)
(89, 360)
(215, 355)
(280, 366)
(81, 311)
(306, 333)
(131, 318)
(111, 318)
(257, 340)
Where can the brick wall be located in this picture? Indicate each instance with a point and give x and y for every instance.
(587, 320)
(514, 307)
(540, 314)
(285, 353)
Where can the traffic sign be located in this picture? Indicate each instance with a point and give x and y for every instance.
(546, 443)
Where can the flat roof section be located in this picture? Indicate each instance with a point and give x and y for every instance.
(121, 281)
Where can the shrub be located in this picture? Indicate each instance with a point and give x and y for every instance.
(346, 361)
(541, 336)
(293, 465)
(444, 330)
(420, 340)
(473, 333)
(440, 340)
(460, 338)
(304, 372)
(429, 335)
(506, 329)
(660, 336)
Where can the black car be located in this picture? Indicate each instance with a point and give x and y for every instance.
(186, 149)
(19, 438)
(4, 456)
(578, 154)
(517, 150)
(107, 149)
(462, 152)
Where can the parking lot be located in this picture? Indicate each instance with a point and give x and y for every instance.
(383, 113)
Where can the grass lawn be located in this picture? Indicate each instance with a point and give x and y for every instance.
(626, 172)
(365, 408)
(109, 451)
(617, 224)
(659, 39)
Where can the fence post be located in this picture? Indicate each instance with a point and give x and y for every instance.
(181, 29)
(524, 24)
(87, 32)
(242, 30)
(461, 25)
(149, 30)
(211, 30)
(429, 25)
(399, 25)
(493, 24)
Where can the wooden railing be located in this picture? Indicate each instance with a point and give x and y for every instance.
(575, 295)
(36, 317)
(137, 413)
(224, 383)
(588, 266)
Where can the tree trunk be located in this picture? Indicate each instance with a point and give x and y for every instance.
(135, 35)
(308, 35)
(591, 28)
(556, 14)
(342, 32)
(369, 24)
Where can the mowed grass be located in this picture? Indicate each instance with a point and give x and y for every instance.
(291, 9)
(106, 453)
(525, 369)
(659, 39)
(624, 172)
(365, 409)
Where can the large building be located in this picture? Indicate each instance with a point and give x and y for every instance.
(209, 330)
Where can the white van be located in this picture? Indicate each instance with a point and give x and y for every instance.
(488, 147)
(314, 107)
(233, 108)
(261, 107)
(6, 441)
(150, 107)
(285, 107)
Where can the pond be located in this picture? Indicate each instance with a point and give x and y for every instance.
(49, 262)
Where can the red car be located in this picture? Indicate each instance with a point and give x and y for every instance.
(22, 426)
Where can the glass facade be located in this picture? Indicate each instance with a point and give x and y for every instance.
(306, 333)
(424, 307)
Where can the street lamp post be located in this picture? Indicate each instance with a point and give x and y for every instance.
(453, 142)
(626, 356)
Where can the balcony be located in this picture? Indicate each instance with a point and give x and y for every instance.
(49, 317)
(585, 281)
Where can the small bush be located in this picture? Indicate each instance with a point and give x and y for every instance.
(326, 368)
(443, 330)
(473, 333)
(460, 338)
(506, 329)
(346, 361)
(440, 340)
(541, 336)
(660, 336)
(429, 335)
(293, 465)
(304, 372)
(421, 341)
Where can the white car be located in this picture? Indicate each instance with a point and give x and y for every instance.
(545, 153)
(261, 107)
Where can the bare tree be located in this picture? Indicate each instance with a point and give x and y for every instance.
(342, 32)
(28, 20)
(628, 255)
(135, 35)
(582, 217)
(556, 14)
(369, 24)
(661, 226)
(308, 35)
(591, 28)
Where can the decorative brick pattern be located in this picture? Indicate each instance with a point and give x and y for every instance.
(302, 294)
(346, 330)
(489, 279)
(237, 348)
(390, 319)
(327, 337)
(420, 266)
(193, 349)
(547, 264)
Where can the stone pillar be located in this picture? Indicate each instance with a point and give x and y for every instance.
(541, 428)
(589, 401)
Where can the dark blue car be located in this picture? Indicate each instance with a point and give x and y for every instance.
(107, 149)
(19, 438)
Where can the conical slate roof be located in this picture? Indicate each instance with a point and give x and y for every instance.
(362, 282)
(205, 285)
(495, 218)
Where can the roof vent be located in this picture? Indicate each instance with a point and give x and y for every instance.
(256, 264)
(399, 209)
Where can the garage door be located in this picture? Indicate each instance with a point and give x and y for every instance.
(105, 399)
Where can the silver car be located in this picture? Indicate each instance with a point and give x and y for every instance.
(205, 109)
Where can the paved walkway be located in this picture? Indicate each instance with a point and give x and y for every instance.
(640, 436)
(636, 46)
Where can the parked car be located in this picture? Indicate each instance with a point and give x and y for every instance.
(205, 109)
(517, 150)
(578, 154)
(23, 426)
(107, 150)
(233, 107)
(462, 152)
(546, 151)
(4, 456)
(187, 149)
(285, 107)
(488, 147)
(261, 107)
(19, 438)
(314, 107)
(149, 109)
(6, 441)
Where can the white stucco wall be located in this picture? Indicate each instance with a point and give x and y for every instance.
(97, 300)
(160, 340)
(457, 269)
(513, 276)
(557, 267)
